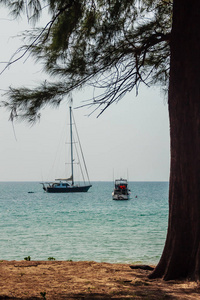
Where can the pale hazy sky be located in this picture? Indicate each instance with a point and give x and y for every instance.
(130, 137)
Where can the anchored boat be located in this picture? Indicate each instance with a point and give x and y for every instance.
(68, 185)
(121, 190)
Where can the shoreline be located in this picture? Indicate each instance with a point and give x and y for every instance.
(56, 280)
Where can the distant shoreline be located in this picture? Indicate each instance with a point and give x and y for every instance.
(95, 181)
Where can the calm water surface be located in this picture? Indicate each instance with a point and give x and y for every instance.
(87, 226)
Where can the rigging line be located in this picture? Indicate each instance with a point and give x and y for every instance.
(81, 148)
(55, 166)
(78, 156)
(79, 162)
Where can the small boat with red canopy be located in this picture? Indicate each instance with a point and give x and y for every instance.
(121, 190)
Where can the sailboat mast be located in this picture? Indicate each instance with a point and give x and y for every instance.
(71, 142)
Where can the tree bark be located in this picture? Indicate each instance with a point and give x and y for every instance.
(181, 254)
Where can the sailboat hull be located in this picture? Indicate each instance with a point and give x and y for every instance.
(69, 189)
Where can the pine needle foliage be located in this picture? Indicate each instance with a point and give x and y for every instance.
(111, 45)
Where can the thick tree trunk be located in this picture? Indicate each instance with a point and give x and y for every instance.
(181, 254)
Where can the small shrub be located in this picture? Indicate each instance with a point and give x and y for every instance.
(43, 294)
(51, 258)
(27, 258)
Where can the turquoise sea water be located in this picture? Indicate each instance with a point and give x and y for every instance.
(85, 226)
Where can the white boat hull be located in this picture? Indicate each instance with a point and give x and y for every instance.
(120, 197)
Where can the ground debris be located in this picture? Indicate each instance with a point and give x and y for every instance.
(59, 280)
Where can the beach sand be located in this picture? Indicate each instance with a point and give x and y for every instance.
(86, 280)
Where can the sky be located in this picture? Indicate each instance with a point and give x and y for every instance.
(130, 139)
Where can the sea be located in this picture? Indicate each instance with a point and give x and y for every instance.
(83, 226)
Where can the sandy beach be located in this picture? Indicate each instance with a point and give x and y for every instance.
(86, 280)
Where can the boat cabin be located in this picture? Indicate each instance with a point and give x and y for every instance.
(121, 184)
(60, 184)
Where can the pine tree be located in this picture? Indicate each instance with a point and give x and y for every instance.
(111, 45)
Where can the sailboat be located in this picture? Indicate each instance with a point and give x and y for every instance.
(68, 185)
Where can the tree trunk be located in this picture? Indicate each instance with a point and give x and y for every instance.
(181, 254)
